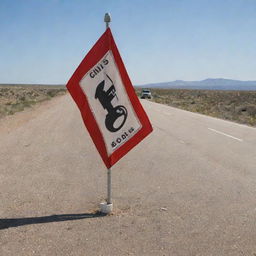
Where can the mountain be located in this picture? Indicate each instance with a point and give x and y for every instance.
(207, 84)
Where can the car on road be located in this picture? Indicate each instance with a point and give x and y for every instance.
(145, 94)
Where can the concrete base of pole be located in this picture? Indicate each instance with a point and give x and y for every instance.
(106, 208)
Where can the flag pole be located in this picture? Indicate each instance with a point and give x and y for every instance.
(109, 199)
(107, 207)
(107, 19)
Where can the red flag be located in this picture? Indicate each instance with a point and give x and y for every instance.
(109, 106)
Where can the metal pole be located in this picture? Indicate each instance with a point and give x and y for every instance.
(109, 200)
(107, 19)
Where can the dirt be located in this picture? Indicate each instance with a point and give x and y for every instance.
(15, 98)
(238, 106)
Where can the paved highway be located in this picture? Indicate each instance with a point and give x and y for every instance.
(187, 189)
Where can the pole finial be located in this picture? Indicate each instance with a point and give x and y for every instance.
(107, 19)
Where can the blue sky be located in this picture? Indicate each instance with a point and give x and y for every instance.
(43, 41)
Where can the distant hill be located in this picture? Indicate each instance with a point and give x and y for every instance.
(207, 84)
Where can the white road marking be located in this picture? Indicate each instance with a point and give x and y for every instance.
(230, 136)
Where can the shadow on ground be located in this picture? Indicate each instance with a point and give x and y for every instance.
(8, 223)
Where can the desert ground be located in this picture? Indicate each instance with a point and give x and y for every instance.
(15, 98)
(237, 106)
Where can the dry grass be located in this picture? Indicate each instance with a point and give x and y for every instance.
(14, 98)
(238, 106)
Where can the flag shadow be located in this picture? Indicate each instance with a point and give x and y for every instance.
(8, 223)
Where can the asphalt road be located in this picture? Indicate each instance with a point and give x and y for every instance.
(187, 189)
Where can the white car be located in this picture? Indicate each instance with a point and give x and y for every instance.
(145, 94)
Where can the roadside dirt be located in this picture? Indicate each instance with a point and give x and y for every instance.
(10, 123)
(237, 106)
(16, 98)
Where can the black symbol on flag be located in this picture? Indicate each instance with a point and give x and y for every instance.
(116, 116)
